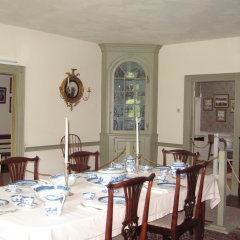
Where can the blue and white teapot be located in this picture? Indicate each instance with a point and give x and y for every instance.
(178, 164)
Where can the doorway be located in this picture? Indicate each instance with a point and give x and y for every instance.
(6, 115)
(189, 114)
(17, 106)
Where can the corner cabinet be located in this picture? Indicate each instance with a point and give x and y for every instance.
(129, 90)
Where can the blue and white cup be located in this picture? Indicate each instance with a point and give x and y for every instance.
(12, 188)
(17, 198)
(28, 201)
(54, 204)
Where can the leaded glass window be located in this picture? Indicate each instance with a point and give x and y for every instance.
(129, 96)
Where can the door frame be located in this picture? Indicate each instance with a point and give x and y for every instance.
(18, 99)
(189, 83)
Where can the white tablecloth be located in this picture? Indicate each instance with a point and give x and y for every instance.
(77, 222)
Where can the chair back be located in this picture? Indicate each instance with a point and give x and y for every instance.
(74, 144)
(179, 154)
(80, 161)
(132, 190)
(192, 201)
(17, 167)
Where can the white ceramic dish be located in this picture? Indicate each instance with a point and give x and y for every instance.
(94, 180)
(17, 190)
(88, 195)
(3, 202)
(116, 199)
(59, 179)
(42, 191)
(112, 175)
(26, 183)
(23, 205)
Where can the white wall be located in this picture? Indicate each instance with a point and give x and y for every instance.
(46, 58)
(5, 115)
(178, 60)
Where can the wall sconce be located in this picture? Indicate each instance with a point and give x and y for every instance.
(72, 89)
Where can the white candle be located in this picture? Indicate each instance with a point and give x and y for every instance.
(137, 138)
(66, 141)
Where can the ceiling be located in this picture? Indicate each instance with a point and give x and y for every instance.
(127, 21)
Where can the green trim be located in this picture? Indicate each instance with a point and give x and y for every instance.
(170, 145)
(54, 147)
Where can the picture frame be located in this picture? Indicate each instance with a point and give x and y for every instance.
(220, 115)
(207, 104)
(232, 105)
(221, 101)
(2, 95)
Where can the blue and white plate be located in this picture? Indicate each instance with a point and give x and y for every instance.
(17, 190)
(3, 202)
(23, 205)
(116, 199)
(26, 183)
(94, 180)
(167, 185)
(105, 190)
(161, 181)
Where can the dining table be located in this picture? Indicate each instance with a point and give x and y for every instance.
(86, 219)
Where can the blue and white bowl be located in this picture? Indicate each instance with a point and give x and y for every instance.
(163, 169)
(59, 179)
(42, 191)
(17, 198)
(178, 165)
(112, 175)
(146, 168)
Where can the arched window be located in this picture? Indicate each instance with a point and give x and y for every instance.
(129, 96)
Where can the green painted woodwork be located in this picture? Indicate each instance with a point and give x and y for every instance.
(113, 142)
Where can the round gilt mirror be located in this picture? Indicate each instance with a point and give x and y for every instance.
(72, 89)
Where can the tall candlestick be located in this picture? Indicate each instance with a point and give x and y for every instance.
(137, 138)
(68, 83)
(66, 141)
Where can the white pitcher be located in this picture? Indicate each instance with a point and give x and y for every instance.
(54, 204)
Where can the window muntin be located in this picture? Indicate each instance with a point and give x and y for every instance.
(129, 96)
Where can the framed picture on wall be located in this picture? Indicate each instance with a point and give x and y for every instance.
(232, 105)
(221, 101)
(220, 115)
(207, 104)
(2, 95)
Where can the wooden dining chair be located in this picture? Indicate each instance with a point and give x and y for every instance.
(79, 161)
(192, 217)
(17, 167)
(179, 154)
(132, 190)
(74, 145)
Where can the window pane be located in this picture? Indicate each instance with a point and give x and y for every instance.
(119, 98)
(119, 85)
(118, 110)
(118, 124)
(129, 124)
(119, 72)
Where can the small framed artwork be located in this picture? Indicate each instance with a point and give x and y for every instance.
(232, 105)
(2, 95)
(207, 104)
(220, 115)
(221, 101)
